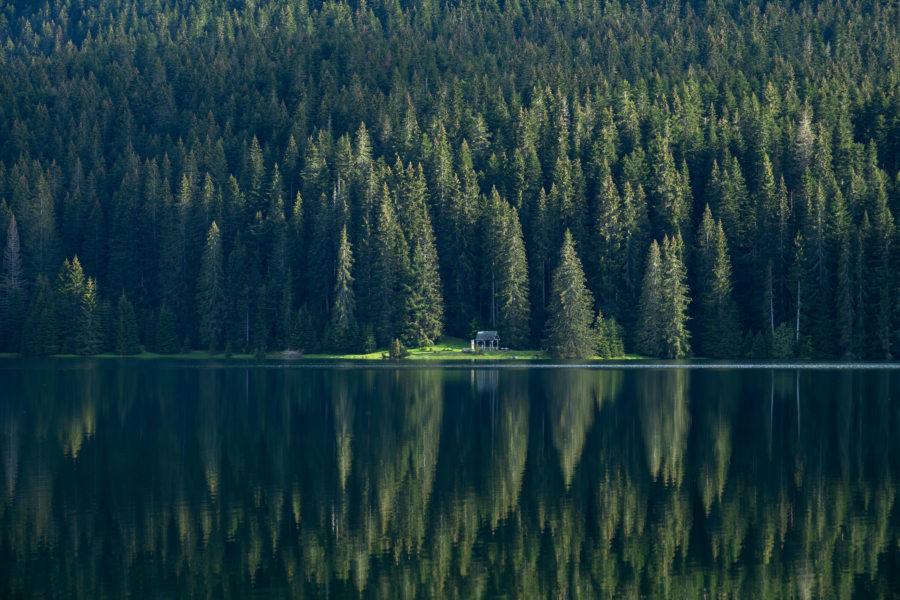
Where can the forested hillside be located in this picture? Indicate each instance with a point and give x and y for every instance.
(252, 176)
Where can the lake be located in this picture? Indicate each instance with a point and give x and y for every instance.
(229, 479)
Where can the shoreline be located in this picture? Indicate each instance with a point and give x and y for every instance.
(531, 360)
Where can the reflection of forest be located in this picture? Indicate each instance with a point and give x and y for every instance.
(426, 483)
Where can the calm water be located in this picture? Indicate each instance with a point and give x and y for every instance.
(165, 479)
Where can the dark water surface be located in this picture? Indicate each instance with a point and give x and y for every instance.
(173, 479)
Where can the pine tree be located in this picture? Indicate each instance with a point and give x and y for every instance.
(675, 299)
(39, 235)
(127, 341)
(570, 312)
(607, 343)
(671, 190)
(718, 324)
(818, 276)
(539, 259)
(423, 304)
(649, 340)
(424, 301)
(165, 336)
(260, 334)
(343, 326)
(39, 332)
(11, 281)
(286, 316)
(389, 271)
(211, 299)
(106, 316)
(239, 284)
(637, 239)
(845, 308)
(609, 239)
(492, 228)
(12, 292)
(513, 285)
(89, 336)
(305, 335)
(71, 287)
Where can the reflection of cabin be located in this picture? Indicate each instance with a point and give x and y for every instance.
(486, 380)
(487, 340)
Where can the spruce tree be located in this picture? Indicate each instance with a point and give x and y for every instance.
(718, 326)
(260, 334)
(610, 226)
(305, 335)
(11, 273)
(607, 337)
(71, 287)
(127, 341)
(391, 263)
(513, 289)
(39, 332)
(675, 299)
(649, 339)
(89, 336)
(286, 316)
(39, 230)
(570, 312)
(424, 300)
(845, 308)
(107, 317)
(343, 326)
(211, 299)
(165, 337)
(12, 291)
(237, 280)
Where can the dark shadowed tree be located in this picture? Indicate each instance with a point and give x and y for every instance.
(211, 298)
(127, 341)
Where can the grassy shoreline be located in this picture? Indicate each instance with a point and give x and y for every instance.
(447, 349)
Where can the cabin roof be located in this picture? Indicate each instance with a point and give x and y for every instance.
(486, 336)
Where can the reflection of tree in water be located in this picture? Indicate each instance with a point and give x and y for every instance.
(509, 449)
(414, 483)
(403, 447)
(720, 396)
(665, 421)
(572, 398)
(9, 450)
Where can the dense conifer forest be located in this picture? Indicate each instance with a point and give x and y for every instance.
(703, 178)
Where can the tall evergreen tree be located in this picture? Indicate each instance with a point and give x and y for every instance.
(610, 227)
(607, 337)
(127, 341)
(389, 271)
(89, 335)
(675, 299)
(570, 313)
(12, 291)
(515, 315)
(40, 237)
(39, 332)
(343, 326)
(211, 299)
(71, 286)
(166, 339)
(260, 333)
(717, 320)
(424, 301)
(12, 276)
(649, 339)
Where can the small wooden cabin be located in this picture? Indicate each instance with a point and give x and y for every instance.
(487, 340)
